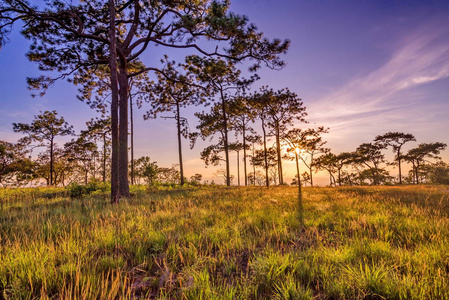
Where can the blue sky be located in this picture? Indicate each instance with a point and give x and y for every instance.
(362, 68)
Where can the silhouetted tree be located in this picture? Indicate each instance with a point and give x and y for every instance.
(44, 128)
(237, 147)
(370, 155)
(283, 107)
(327, 162)
(396, 140)
(265, 159)
(417, 156)
(81, 152)
(15, 167)
(100, 128)
(342, 160)
(254, 139)
(308, 141)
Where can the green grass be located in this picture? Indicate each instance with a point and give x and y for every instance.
(226, 243)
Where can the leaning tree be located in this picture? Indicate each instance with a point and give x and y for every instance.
(73, 37)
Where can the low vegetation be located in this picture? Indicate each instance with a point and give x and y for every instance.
(226, 243)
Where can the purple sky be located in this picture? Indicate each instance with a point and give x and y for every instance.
(363, 68)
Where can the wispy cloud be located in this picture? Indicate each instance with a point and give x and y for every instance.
(421, 57)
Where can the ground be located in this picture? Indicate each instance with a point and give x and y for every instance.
(226, 243)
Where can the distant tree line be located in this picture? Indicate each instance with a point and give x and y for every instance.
(367, 164)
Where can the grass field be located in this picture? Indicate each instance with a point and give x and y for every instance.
(226, 243)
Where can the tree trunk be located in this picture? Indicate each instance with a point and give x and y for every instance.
(416, 172)
(311, 170)
(132, 136)
(238, 168)
(51, 160)
(123, 131)
(267, 179)
(399, 165)
(254, 167)
(104, 157)
(339, 177)
(178, 125)
(115, 196)
(300, 207)
(244, 156)
(278, 151)
(226, 147)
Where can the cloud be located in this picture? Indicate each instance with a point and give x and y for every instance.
(420, 58)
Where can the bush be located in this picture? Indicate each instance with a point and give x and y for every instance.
(77, 190)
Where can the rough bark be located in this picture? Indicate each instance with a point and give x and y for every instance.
(123, 131)
(114, 106)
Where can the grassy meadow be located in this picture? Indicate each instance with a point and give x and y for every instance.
(226, 243)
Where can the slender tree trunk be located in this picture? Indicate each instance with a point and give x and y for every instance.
(104, 157)
(115, 196)
(311, 170)
(267, 179)
(300, 207)
(51, 160)
(94, 166)
(399, 165)
(254, 167)
(244, 156)
(374, 176)
(178, 125)
(339, 177)
(278, 150)
(238, 168)
(123, 131)
(226, 146)
(132, 136)
(416, 172)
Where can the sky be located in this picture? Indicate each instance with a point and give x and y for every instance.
(362, 68)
